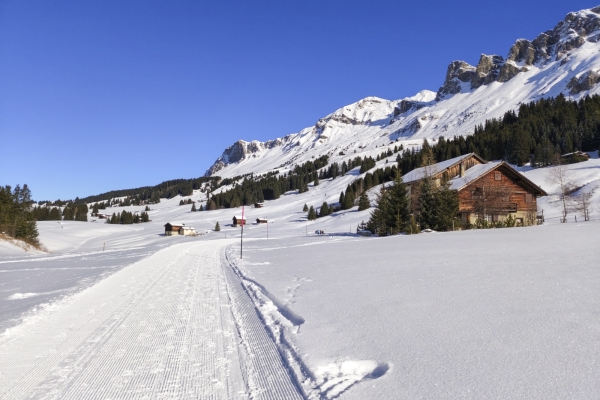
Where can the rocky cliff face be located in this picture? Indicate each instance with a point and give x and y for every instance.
(564, 60)
(552, 45)
(239, 151)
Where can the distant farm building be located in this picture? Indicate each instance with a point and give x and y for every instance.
(238, 221)
(175, 228)
(259, 205)
(262, 221)
(491, 191)
(575, 157)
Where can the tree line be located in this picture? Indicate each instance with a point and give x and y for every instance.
(16, 214)
(127, 217)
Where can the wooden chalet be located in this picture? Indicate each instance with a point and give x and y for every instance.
(486, 191)
(259, 205)
(238, 221)
(262, 221)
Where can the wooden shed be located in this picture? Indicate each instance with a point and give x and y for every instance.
(259, 205)
(238, 221)
(173, 228)
(262, 221)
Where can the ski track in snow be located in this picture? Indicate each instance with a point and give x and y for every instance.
(161, 328)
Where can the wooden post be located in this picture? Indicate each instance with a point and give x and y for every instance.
(104, 246)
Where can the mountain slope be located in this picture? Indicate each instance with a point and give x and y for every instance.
(564, 60)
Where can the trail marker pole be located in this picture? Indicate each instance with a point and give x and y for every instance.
(242, 235)
(267, 229)
(103, 246)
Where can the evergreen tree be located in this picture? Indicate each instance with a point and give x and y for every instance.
(348, 200)
(194, 207)
(447, 208)
(316, 181)
(427, 203)
(363, 202)
(312, 215)
(17, 218)
(217, 227)
(398, 206)
(412, 227)
(212, 205)
(305, 208)
(324, 211)
(147, 208)
(377, 223)
(181, 202)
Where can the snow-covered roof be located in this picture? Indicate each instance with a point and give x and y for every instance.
(186, 228)
(419, 173)
(471, 174)
(176, 223)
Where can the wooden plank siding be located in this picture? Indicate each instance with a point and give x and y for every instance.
(494, 196)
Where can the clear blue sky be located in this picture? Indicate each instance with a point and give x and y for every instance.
(103, 95)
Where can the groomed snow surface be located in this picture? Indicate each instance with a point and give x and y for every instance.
(123, 312)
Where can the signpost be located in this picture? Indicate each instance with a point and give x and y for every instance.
(242, 234)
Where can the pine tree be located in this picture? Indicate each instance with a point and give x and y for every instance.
(312, 215)
(181, 202)
(363, 202)
(412, 227)
(427, 203)
(447, 208)
(349, 196)
(398, 206)
(194, 207)
(147, 208)
(377, 223)
(316, 181)
(324, 211)
(305, 208)
(217, 227)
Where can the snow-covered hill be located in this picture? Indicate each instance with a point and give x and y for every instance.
(563, 60)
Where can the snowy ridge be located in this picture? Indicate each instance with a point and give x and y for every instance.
(564, 60)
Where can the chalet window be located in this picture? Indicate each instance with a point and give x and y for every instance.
(494, 217)
(506, 198)
(528, 198)
(477, 193)
(497, 176)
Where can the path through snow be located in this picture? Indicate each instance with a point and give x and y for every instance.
(160, 328)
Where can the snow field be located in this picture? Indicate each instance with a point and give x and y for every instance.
(161, 328)
(504, 313)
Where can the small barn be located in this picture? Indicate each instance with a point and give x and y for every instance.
(262, 221)
(239, 221)
(259, 205)
(173, 228)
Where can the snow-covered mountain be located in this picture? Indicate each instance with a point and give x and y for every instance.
(563, 60)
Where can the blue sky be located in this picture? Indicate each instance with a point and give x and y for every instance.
(103, 95)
